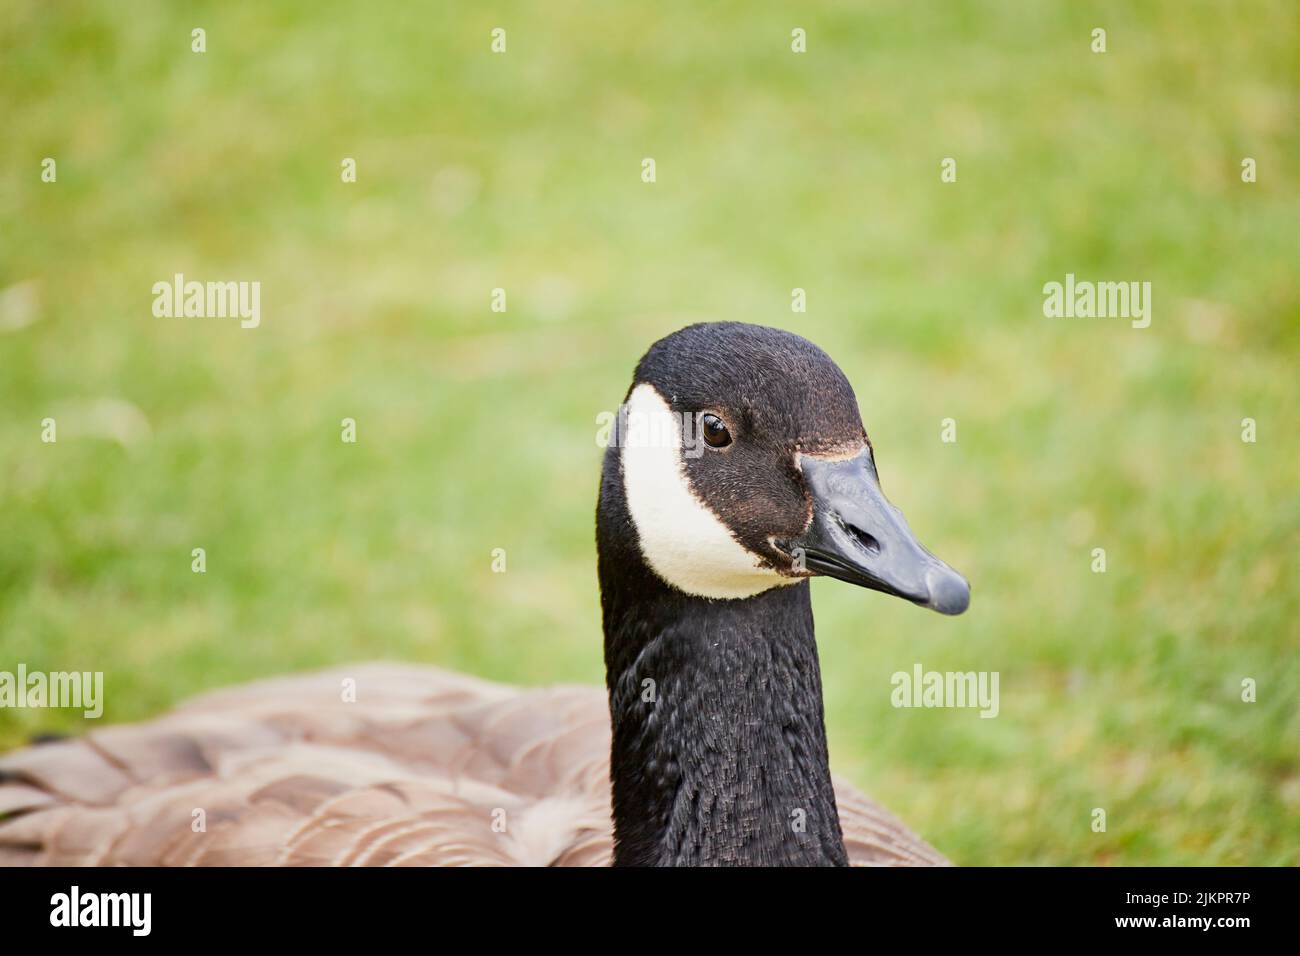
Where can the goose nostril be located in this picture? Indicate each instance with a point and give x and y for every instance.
(863, 538)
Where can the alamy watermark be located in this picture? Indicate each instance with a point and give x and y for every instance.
(80, 689)
(133, 911)
(1098, 300)
(208, 300)
(922, 688)
(630, 429)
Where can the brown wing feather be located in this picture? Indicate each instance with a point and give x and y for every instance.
(422, 768)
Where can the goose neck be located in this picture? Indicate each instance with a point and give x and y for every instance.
(719, 744)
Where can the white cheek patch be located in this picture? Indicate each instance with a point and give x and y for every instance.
(681, 538)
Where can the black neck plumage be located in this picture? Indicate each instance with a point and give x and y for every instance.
(719, 741)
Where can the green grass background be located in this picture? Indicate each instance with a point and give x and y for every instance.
(476, 430)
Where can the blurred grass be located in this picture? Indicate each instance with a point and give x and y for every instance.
(1119, 690)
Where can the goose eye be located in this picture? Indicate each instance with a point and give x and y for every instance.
(715, 433)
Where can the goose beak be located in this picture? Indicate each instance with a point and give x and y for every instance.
(857, 536)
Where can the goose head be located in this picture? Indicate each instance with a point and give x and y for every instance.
(745, 466)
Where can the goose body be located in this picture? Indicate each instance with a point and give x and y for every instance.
(416, 772)
(740, 469)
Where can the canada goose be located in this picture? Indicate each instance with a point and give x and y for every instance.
(718, 750)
